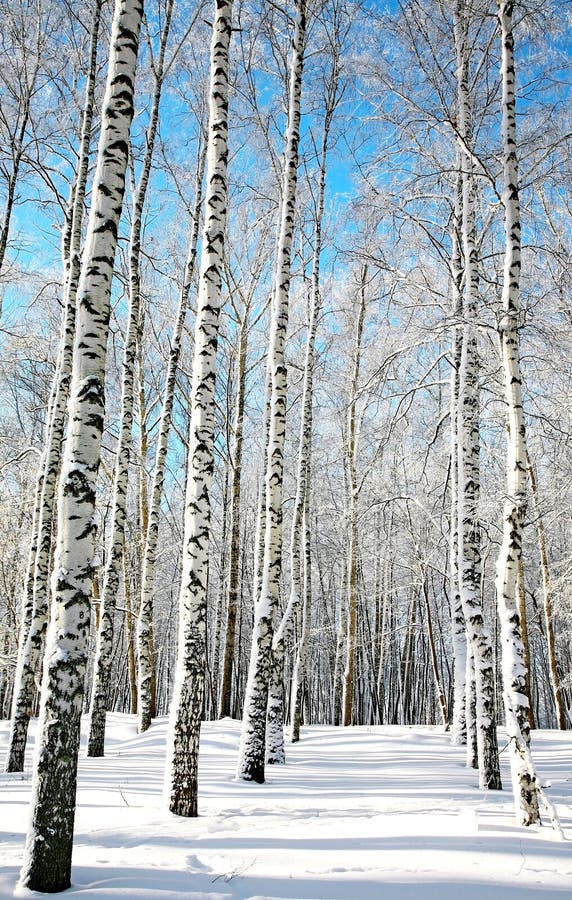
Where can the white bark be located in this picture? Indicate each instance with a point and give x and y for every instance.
(468, 436)
(383, 624)
(235, 491)
(186, 708)
(471, 712)
(104, 649)
(459, 639)
(559, 701)
(469, 567)
(304, 643)
(252, 744)
(275, 752)
(35, 621)
(21, 700)
(524, 779)
(432, 649)
(351, 451)
(145, 618)
(47, 859)
(341, 647)
(260, 530)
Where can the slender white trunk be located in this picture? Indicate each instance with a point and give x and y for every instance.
(253, 737)
(235, 491)
(304, 643)
(104, 650)
(145, 618)
(521, 594)
(213, 666)
(275, 752)
(146, 647)
(274, 731)
(468, 436)
(260, 531)
(129, 632)
(459, 723)
(469, 566)
(47, 858)
(35, 621)
(21, 701)
(341, 645)
(351, 451)
(186, 709)
(383, 689)
(432, 650)
(524, 779)
(471, 712)
(555, 682)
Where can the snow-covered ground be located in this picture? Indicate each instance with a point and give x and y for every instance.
(359, 813)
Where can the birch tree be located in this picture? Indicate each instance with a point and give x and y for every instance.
(235, 491)
(524, 779)
(468, 434)
(555, 680)
(301, 660)
(104, 650)
(36, 601)
(145, 666)
(351, 441)
(187, 703)
(459, 637)
(300, 563)
(47, 856)
(252, 750)
(243, 310)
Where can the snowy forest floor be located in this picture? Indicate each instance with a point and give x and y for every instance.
(369, 813)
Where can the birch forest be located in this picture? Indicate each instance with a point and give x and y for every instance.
(286, 389)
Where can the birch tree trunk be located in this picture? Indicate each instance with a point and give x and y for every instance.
(524, 779)
(523, 616)
(241, 297)
(22, 698)
(213, 665)
(275, 752)
(468, 465)
(47, 857)
(151, 532)
(252, 749)
(459, 638)
(146, 648)
(408, 663)
(351, 456)
(471, 712)
(35, 619)
(235, 490)
(341, 646)
(433, 651)
(304, 643)
(186, 708)
(555, 683)
(132, 668)
(383, 687)
(104, 649)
